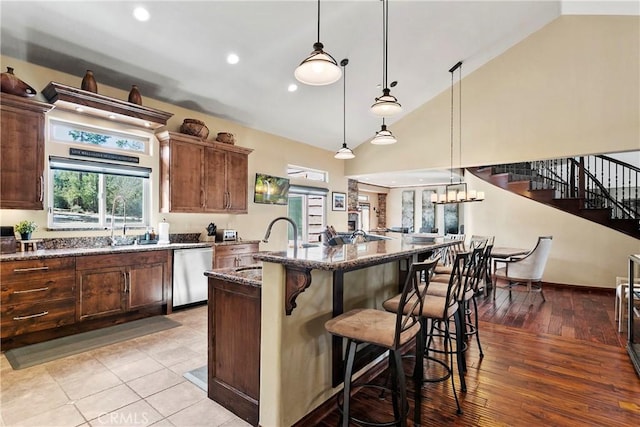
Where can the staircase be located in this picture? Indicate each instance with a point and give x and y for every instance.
(598, 188)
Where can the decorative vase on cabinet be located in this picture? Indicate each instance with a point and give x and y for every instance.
(134, 95)
(13, 85)
(89, 82)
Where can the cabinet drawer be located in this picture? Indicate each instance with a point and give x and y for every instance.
(120, 260)
(242, 248)
(35, 269)
(49, 285)
(23, 318)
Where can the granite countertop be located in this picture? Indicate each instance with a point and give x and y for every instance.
(250, 275)
(351, 256)
(58, 253)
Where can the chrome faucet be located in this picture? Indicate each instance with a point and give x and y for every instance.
(124, 217)
(295, 232)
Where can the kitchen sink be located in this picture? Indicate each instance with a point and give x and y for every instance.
(123, 241)
(253, 272)
(251, 267)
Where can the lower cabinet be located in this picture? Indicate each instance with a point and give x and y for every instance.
(119, 283)
(234, 347)
(36, 295)
(234, 255)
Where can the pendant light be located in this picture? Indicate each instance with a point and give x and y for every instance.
(457, 192)
(319, 68)
(386, 105)
(345, 152)
(384, 136)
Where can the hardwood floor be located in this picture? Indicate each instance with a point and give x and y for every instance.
(554, 363)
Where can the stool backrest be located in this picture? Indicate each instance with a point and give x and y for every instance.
(412, 297)
(457, 280)
(472, 273)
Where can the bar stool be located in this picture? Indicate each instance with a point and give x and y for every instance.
(440, 309)
(390, 330)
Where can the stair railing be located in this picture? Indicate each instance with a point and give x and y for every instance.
(601, 181)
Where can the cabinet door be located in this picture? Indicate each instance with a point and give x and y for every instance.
(186, 177)
(237, 181)
(101, 292)
(216, 198)
(146, 285)
(21, 158)
(246, 260)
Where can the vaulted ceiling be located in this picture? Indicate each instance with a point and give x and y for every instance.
(179, 54)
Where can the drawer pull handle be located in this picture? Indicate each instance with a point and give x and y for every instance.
(31, 316)
(31, 290)
(21, 270)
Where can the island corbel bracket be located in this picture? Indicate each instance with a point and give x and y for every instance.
(298, 280)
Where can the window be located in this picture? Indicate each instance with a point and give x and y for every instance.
(82, 194)
(307, 208)
(307, 173)
(72, 133)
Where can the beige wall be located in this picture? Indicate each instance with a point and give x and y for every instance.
(271, 155)
(571, 88)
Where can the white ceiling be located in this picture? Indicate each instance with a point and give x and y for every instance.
(179, 55)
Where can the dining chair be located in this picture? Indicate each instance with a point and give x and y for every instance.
(387, 329)
(526, 269)
(622, 289)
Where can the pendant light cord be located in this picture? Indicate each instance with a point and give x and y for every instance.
(460, 117)
(451, 133)
(385, 35)
(318, 21)
(344, 103)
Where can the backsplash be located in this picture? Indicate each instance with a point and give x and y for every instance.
(102, 241)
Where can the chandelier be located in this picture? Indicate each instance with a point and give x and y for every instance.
(457, 192)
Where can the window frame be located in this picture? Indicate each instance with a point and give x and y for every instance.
(103, 169)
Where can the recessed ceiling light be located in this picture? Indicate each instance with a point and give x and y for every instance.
(141, 14)
(292, 87)
(79, 109)
(232, 58)
(112, 116)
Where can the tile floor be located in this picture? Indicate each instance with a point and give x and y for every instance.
(133, 383)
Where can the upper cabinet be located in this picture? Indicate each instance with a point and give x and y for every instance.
(81, 101)
(22, 152)
(202, 176)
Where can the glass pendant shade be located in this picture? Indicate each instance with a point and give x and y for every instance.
(384, 137)
(344, 153)
(386, 105)
(318, 69)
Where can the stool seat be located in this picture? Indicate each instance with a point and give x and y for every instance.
(371, 326)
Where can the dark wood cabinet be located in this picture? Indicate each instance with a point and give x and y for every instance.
(234, 255)
(119, 283)
(202, 176)
(234, 347)
(22, 152)
(36, 295)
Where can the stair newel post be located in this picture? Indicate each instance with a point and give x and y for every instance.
(581, 178)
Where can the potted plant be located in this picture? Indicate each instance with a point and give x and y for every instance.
(25, 228)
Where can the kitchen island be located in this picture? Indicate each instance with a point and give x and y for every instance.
(300, 364)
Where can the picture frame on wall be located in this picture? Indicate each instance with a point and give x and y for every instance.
(339, 201)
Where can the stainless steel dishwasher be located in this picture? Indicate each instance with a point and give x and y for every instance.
(189, 281)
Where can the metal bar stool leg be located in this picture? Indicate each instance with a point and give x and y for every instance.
(346, 403)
